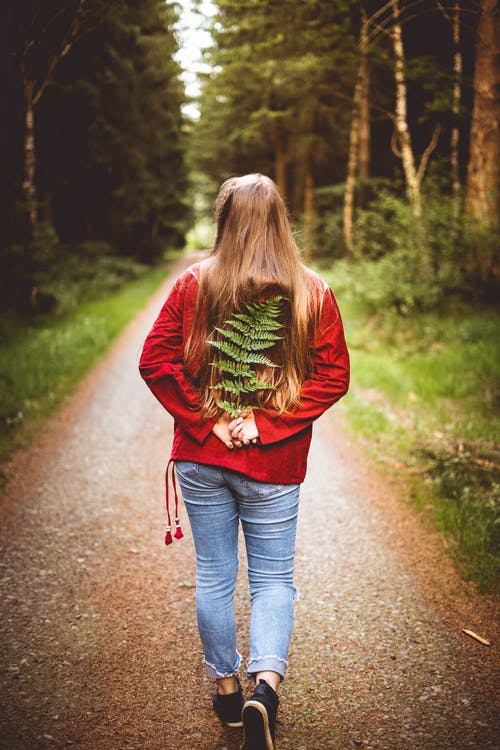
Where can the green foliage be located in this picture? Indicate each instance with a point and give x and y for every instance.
(275, 100)
(242, 340)
(41, 361)
(112, 133)
(418, 264)
(467, 482)
(109, 147)
(55, 277)
(425, 396)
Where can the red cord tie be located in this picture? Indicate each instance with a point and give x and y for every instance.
(178, 531)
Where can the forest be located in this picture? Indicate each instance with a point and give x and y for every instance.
(379, 121)
(367, 115)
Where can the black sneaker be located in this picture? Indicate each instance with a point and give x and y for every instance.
(259, 718)
(228, 707)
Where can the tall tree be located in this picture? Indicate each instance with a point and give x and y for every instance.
(483, 178)
(272, 100)
(47, 34)
(359, 139)
(457, 97)
(364, 109)
(402, 144)
(112, 164)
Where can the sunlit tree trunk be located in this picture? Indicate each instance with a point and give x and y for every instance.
(457, 95)
(364, 103)
(352, 164)
(483, 177)
(359, 137)
(402, 145)
(29, 155)
(401, 119)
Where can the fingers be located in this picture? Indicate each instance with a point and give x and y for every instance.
(232, 425)
(242, 431)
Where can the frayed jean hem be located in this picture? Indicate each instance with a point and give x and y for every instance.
(212, 671)
(266, 664)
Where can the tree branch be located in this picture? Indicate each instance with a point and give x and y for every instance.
(428, 151)
(395, 142)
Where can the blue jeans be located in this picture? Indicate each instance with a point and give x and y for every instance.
(216, 500)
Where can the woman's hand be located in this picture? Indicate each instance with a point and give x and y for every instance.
(243, 430)
(221, 431)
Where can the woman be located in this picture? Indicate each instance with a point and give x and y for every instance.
(247, 468)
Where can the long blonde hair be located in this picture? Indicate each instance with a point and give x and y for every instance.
(254, 256)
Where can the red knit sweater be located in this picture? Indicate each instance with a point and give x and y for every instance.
(280, 456)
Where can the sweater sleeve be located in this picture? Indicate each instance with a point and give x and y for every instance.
(162, 368)
(328, 383)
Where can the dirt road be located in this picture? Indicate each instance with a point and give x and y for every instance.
(98, 633)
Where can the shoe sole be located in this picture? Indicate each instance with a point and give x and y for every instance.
(236, 724)
(256, 727)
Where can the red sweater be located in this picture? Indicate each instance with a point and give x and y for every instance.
(280, 456)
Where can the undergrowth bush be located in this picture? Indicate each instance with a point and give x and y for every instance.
(86, 271)
(418, 264)
(467, 481)
(43, 357)
(425, 392)
(48, 276)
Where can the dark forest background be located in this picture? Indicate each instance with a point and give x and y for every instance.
(386, 154)
(92, 144)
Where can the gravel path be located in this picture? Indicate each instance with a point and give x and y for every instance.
(98, 634)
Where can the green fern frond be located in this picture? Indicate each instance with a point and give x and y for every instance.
(244, 318)
(257, 359)
(244, 328)
(233, 351)
(242, 339)
(238, 370)
(251, 331)
(253, 342)
(258, 385)
(231, 409)
(230, 386)
(259, 344)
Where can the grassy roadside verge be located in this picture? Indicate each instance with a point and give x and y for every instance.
(424, 398)
(41, 361)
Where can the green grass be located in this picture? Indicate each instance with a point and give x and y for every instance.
(425, 395)
(42, 361)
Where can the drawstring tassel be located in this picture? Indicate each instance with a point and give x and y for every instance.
(178, 531)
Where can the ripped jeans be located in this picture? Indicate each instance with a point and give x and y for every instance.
(216, 500)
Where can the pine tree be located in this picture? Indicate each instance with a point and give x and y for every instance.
(272, 101)
(112, 164)
(242, 340)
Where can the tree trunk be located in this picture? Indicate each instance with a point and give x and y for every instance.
(359, 138)
(401, 121)
(30, 155)
(457, 95)
(364, 102)
(483, 177)
(352, 166)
